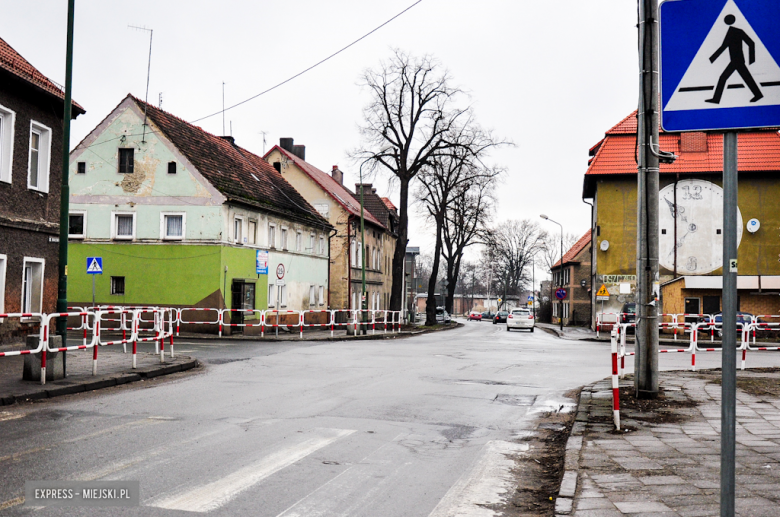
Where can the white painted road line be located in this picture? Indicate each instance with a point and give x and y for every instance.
(217, 493)
(487, 483)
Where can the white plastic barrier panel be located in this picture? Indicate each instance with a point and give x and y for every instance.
(217, 313)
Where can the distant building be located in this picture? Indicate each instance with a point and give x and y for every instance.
(573, 275)
(182, 218)
(341, 207)
(31, 111)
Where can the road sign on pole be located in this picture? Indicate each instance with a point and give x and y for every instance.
(602, 295)
(719, 64)
(560, 293)
(94, 265)
(707, 83)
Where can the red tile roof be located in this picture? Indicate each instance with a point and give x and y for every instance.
(335, 189)
(240, 175)
(759, 151)
(389, 204)
(14, 63)
(575, 250)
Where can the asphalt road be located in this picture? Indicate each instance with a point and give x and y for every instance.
(410, 427)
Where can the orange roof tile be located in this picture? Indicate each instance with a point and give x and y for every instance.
(759, 150)
(575, 250)
(14, 63)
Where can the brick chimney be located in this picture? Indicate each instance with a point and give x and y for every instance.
(337, 175)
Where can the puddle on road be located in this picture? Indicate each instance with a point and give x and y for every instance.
(552, 406)
(515, 400)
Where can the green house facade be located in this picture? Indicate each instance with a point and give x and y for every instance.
(181, 217)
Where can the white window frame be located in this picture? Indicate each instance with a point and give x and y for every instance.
(353, 253)
(283, 296)
(283, 238)
(114, 235)
(164, 227)
(44, 156)
(298, 240)
(312, 239)
(252, 234)
(312, 295)
(7, 133)
(272, 295)
(322, 245)
(3, 269)
(35, 260)
(271, 238)
(82, 213)
(321, 294)
(238, 239)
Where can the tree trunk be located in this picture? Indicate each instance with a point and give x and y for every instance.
(430, 302)
(453, 272)
(397, 292)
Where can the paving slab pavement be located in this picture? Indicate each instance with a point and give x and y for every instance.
(668, 464)
(114, 368)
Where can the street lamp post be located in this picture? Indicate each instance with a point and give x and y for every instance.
(363, 297)
(560, 316)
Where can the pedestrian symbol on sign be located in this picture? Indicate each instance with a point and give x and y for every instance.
(94, 265)
(733, 42)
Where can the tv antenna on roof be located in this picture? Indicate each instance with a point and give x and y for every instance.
(263, 133)
(148, 70)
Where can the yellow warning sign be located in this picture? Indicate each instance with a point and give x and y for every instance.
(602, 294)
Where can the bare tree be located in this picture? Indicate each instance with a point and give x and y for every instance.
(465, 223)
(445, 183)
(407, 125)
(512, 246)
(550, 253)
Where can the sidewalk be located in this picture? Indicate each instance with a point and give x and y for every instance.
(665, 461)
(572, 333)
(114, 368)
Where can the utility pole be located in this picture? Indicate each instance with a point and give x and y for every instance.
(62, 287)
(646, 378)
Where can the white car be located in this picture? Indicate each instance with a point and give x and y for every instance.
(520, 319)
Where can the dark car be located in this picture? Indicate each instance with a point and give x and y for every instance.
(487, 315)
(500, 317)
(628, 313)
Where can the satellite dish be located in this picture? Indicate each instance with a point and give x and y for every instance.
(604, 245)
(753, 225)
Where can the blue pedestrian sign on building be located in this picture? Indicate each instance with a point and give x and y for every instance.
(94, 265)
(719, 64)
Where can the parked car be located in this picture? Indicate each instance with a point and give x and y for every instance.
(520, 319)
(487, 315)
(442, 316)
(628, 313)
(476, 316)
(500, 317)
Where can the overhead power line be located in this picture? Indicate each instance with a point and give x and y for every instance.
(364, 36)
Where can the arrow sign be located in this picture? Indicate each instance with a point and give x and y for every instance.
(94, 265)
(719, 64)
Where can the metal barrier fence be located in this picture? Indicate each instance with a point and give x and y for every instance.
(158, 324)
(709, 326)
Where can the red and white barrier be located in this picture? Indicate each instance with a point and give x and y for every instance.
(615, 381)
(216, 321)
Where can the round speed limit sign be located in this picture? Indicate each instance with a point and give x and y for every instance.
(280, 271)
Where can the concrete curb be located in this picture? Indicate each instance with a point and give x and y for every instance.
(565, 500)
(100, 383)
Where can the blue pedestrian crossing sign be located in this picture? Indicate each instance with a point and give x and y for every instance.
(719, 66)
(94, 265)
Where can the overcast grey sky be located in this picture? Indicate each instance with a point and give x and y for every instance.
(552, 76)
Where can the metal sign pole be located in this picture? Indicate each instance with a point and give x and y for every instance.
(93, 291)
(729, 352)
